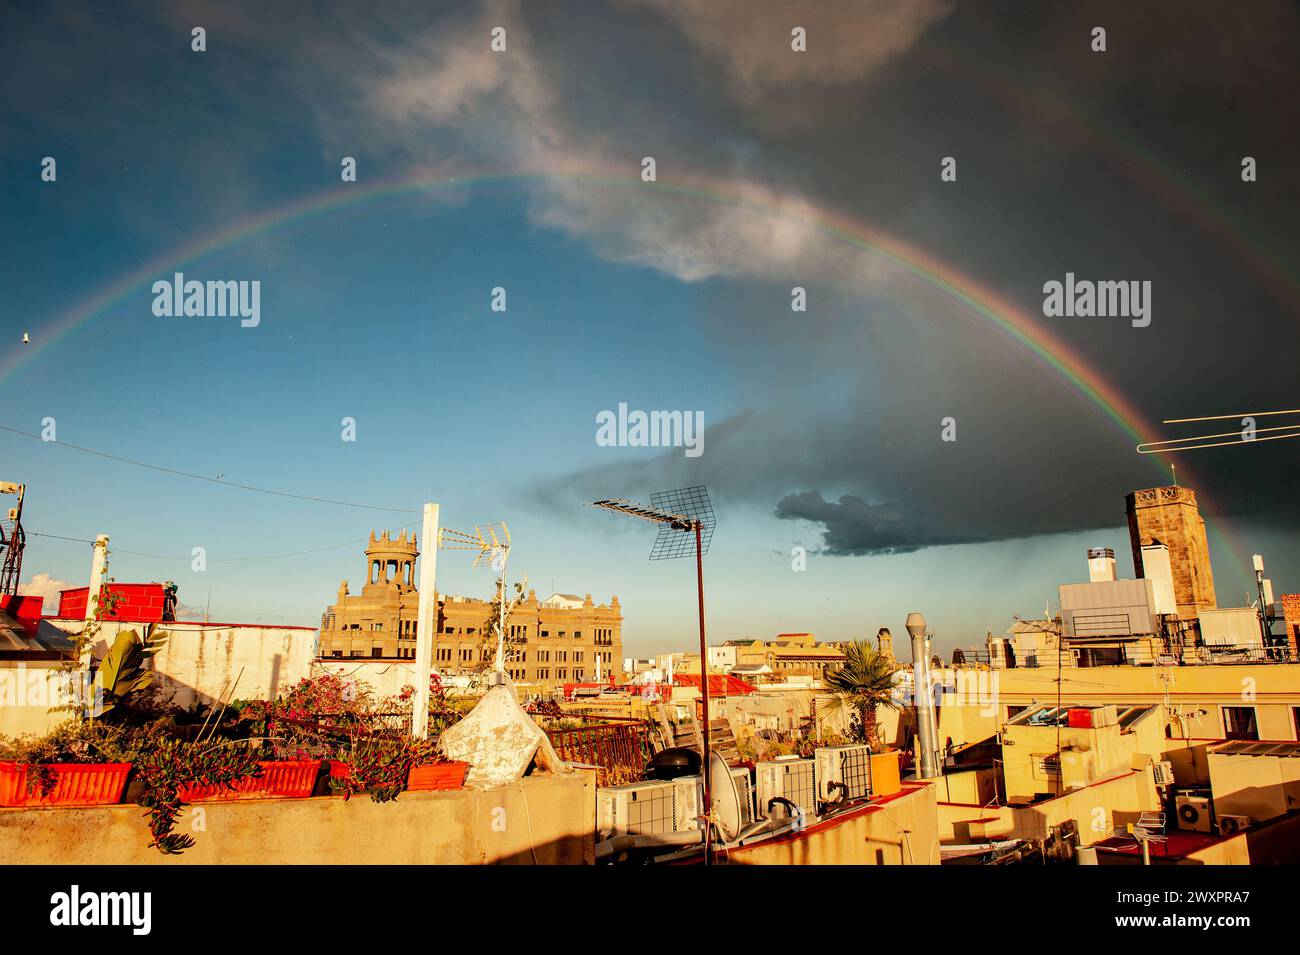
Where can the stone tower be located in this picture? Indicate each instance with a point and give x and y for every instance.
(390, 561)
(1170, 516)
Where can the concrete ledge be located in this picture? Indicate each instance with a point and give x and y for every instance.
(549, 820)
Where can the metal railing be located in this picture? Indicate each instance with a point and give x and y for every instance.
(619, 748)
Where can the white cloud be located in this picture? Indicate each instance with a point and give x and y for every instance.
(44, 585)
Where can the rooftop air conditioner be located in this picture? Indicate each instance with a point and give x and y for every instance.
(1163, 773)
(791, 779)
(1193, 812)
(848, 767)
(689, 799)
(1230, 825)
(745, 787)
(637, 809)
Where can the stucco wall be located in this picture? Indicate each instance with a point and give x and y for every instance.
(1098, 810)
(551, 818)
(898, 831)
(197, 663)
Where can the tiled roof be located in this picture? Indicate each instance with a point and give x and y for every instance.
(718, 685)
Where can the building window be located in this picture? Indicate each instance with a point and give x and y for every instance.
(376, 652)
(546, 633)
(1295, 719)
(1239, 722)
(338, 653)
(544, 674)
(577, 634)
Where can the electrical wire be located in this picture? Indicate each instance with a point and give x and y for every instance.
(217, 560)
(210, 480)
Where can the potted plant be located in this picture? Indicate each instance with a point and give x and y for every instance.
(863, 684)
(173, 769)
(78, 764)
(384, 767)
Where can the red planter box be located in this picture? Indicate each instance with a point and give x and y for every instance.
(420, 779)
(75, 784)
(294, 778)
(437, 776)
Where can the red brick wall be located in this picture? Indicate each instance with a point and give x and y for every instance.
(137, 603)
(1291, 613)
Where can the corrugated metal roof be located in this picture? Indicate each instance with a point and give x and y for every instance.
(1251, 748)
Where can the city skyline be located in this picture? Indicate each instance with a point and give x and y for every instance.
(522, 170)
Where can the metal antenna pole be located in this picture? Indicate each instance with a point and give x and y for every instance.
(704, 692)
(501, 618)
(686, 522)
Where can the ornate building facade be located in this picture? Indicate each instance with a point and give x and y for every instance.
(562, 639)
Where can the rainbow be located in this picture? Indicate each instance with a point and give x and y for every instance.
(1015, 323)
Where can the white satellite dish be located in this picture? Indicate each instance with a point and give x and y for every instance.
(725, 798)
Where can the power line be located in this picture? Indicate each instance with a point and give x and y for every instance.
(217, 560)
(201, 477)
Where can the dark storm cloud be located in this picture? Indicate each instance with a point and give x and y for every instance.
(854, 527)
(1121, 165)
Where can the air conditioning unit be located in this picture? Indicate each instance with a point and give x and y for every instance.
(745, 787)
(1232, 824)
(1163, 773)
(636, 809)
(1193, 812)
(689, 799)
(849, 766)
(792, 779)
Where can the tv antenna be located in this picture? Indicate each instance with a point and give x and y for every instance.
(491, 542)
(1246, 435)
(12, 540)
(686, 521)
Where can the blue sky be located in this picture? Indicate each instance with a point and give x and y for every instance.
(380, 312)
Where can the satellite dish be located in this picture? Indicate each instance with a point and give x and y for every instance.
(725, 798)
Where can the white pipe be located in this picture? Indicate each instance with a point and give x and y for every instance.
(98, 560)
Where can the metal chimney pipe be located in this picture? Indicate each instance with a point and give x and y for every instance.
(927, 729)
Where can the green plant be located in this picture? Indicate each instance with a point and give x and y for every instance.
(863, 683)
(77, 741)
(122, 672)
(172, 764)
(76, 663)
(379, 767)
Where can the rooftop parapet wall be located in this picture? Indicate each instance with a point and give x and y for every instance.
(547, 820)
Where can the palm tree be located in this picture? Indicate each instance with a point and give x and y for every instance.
(863, 682)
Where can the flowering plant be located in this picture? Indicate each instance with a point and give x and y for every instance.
(380, 767)
(172, 764)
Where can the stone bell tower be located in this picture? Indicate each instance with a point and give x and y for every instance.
(390, 562)
(1171, 516)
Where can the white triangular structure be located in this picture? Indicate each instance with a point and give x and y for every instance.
(500, 741)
